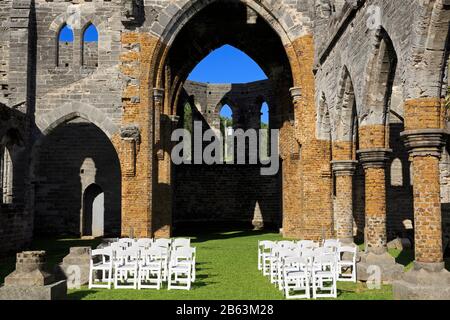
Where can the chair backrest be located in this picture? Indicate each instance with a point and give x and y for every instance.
(151, 254)
(128, 255)
(162, 242)
(325, 261)
(285, 253)
(127, 241)
(182, 254)
(181, 242)
(144, 242)
(287, 244)
(347, 250)
(266, 246)
(105, 254)
(307, 244)
(332, 243)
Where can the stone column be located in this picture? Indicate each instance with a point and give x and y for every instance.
(30, 280)
(344, 172)
(376, 254)
(428, 279)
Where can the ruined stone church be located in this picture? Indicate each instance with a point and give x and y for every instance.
(356, 88)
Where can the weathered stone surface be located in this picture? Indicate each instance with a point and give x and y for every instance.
(54, 291)
(78, 260)
(389, 269)
(343, 77)
(30, 280)
(423, 285)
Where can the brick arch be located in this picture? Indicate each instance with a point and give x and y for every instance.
(182, 13)
(49, 121)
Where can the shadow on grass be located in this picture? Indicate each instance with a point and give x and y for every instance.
(213, 233)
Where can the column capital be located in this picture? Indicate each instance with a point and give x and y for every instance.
(374, 158)
(425, 142)
(344, 167)
(158, 93)
(296, 93)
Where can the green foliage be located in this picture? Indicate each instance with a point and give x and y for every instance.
(188, 118)
(225, 122)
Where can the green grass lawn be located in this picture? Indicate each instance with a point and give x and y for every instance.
(226, 270)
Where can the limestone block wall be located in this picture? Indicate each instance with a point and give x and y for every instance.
(4, 49)
(71, 158)
(225, 193)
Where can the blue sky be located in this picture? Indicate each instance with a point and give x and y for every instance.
(229, 65)
(90, 34)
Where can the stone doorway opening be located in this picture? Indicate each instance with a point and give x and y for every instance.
(93, 214)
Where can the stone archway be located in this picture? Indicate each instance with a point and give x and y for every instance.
(93, 211)
(67, 161)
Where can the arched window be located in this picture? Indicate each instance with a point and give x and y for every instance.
(264, 144)
(226, 128)
(6, 173)
(397, 173)
(64, 56)
(90, 47)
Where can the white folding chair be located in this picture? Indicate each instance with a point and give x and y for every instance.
(324, 277)
(296, 278)
(180, 269)
(150, 268)
(101, 261)
(346, 264)
(266, 248)
(126, 268)
(282, 255)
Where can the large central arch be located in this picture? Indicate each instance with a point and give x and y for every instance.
(196, 30)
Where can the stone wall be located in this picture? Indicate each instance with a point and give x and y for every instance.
(74, 156)
(225, 193)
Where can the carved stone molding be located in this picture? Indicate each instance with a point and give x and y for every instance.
(131, 138)
(344, 168)
(426, 142)
(374, 158)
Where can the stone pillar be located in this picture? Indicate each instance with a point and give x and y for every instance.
(30, 280)
(376, 254)
(428, 279)
(162, 222)
(344, 171)
(75, 266)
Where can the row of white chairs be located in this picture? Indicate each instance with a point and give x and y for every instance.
(302, 266)
(143, 263)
